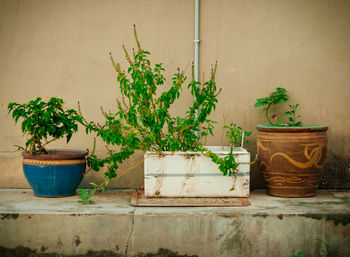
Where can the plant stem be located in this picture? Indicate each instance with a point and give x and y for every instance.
(94, 146)
(54, 139)
(267, 114)
(132, 167)
(242, 142)
(20, 147)
(98, 188)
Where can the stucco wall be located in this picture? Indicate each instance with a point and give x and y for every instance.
(61, 48)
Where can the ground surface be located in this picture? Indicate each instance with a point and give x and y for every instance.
(270, 226)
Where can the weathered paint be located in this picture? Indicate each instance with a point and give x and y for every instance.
(270, 226)
(191, 174)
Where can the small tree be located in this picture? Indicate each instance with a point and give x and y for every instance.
(44, 122)
(279, 96)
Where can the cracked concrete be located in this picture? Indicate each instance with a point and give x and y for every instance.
(131, 230)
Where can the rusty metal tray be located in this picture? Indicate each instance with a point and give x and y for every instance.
(139, 199)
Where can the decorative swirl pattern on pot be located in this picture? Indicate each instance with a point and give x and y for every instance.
(313, 155)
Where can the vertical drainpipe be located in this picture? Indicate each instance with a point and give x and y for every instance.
(196, 45)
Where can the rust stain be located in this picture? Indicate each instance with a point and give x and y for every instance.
(191, 189)
(190, 155)
(139, 199)
(160, 155)
(190, 170)
(159, 184)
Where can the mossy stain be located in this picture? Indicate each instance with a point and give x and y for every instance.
(262, 215)
(10, 216)
(21, 251)
(337, 219)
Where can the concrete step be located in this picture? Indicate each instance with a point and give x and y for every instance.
(271, 226)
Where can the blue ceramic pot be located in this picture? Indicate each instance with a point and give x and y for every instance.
(56, 174)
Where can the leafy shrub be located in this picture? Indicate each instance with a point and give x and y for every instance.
(44, 122)
(143, 121)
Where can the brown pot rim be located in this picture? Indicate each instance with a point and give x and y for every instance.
(57, 154)
(303, 128)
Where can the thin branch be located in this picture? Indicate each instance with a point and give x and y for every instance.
(132, 167)
(21, 147)
(47, 142)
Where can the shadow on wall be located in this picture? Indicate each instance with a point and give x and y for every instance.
(336, 174)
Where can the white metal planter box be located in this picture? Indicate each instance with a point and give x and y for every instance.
(191, 174)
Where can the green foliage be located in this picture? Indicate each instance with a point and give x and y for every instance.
(293, 117)
(234, 134)
(208, 129)
(44, 122)
(227, 165)
(143, 121)
(279, 96)
(85, 195)
(323, 251)
(298, 254)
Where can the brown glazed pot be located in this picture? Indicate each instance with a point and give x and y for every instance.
(292, 158)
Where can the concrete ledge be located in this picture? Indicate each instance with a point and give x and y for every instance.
(271, 226)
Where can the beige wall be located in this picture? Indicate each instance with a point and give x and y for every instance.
(50, 48)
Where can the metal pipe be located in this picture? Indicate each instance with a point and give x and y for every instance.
(196, 40)
(196, 46)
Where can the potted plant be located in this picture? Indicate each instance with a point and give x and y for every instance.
(292, 155)
(200, 173)
(143, 122)
(50, 172)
